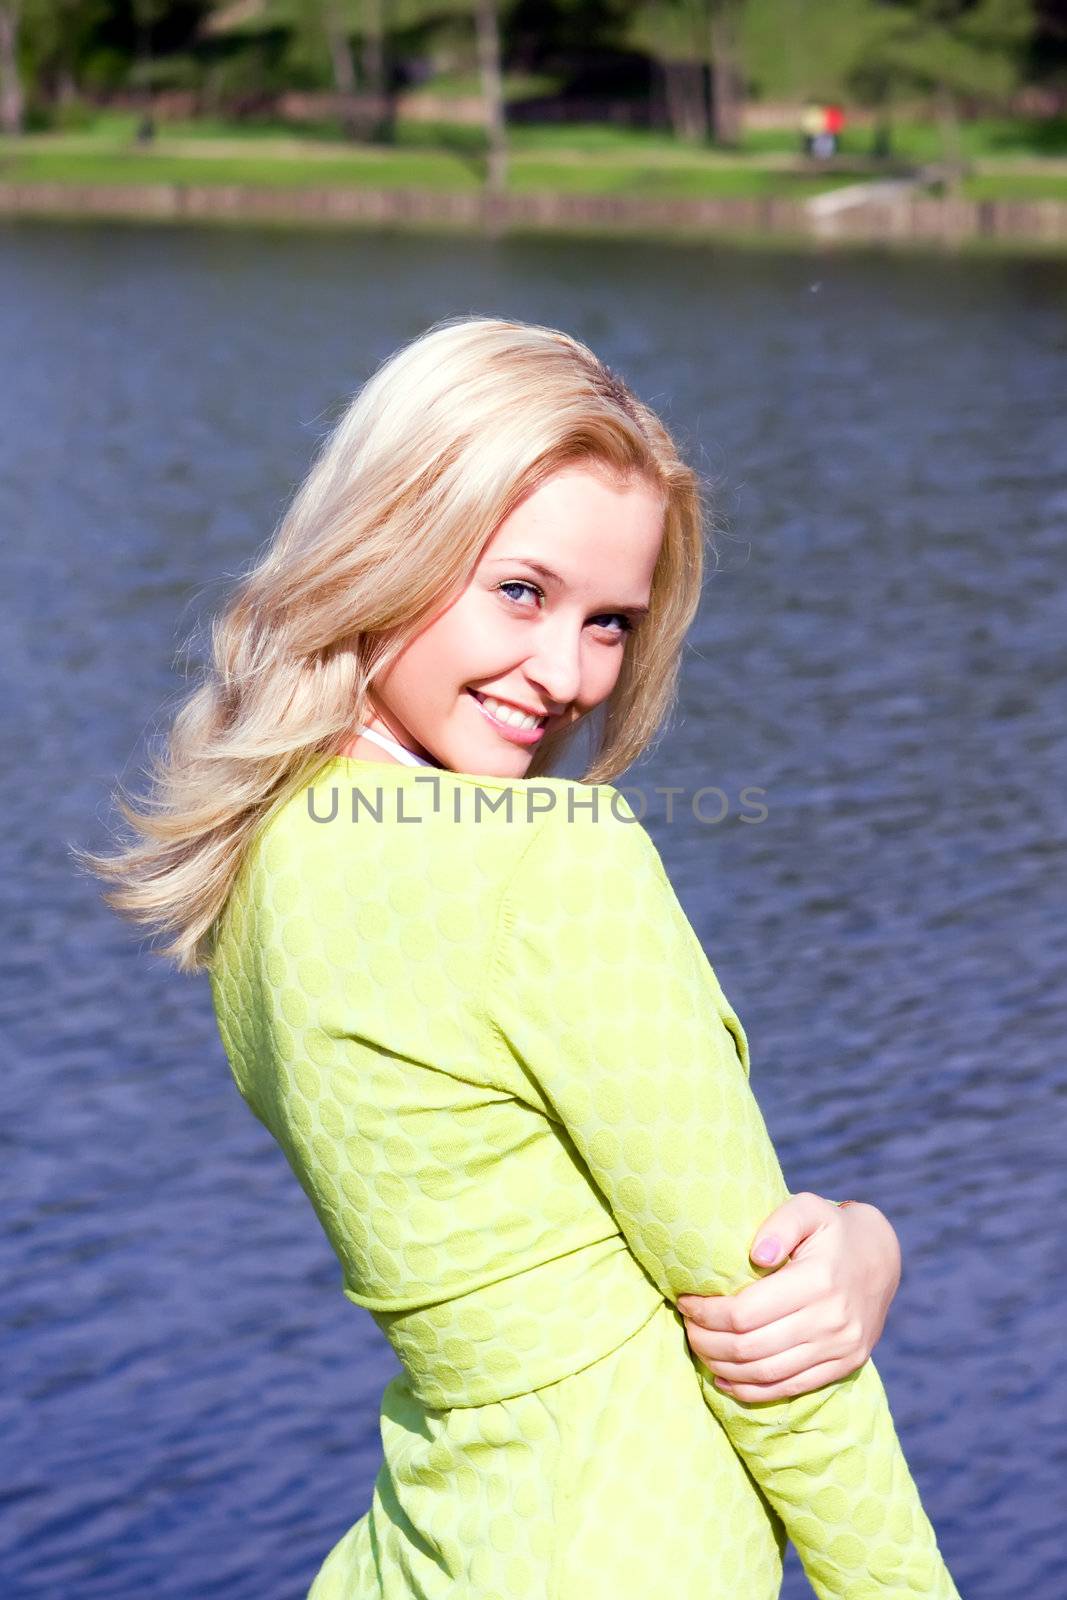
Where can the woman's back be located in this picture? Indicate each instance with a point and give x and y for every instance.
(349, 986)
(493, 1050)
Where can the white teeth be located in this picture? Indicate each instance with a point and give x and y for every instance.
(508, 714)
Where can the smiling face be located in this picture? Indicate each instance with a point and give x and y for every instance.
(540, 629)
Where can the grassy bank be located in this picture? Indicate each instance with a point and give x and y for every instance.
(583, 159)
(568, 177)
(422, 170)
(439, 157)
(984, 139)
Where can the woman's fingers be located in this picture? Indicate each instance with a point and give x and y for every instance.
(801, 1329)
(792, 1288)
(794, 1355)
(808, 1325)
(800, 1383)
(769, 1369)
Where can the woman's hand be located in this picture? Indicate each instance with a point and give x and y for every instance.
(816, 1318)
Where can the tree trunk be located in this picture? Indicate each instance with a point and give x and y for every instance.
(496, 174)
(344, 73)
(673, 97)
(882, 139)
(951, 143)
(146, 128)
(11, 97)
(699, 121)
(373, 60)
(677, 88)
(686, 103)
(725, 73)
(374, 67)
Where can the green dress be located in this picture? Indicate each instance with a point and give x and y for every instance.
(476, 1019)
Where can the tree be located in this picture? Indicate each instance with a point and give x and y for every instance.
(339, 19)
(344, 73)
(697, 46)
(44, 46)
(675, 34)
(321, 41)
(490, 66)
(486, 18)
(12, 100)
(146, 13)
(375, 72)
(953, 49)
(727, 82)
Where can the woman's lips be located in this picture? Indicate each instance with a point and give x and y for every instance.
(526, 736)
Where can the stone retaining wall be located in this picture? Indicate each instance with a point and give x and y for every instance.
(903, 219)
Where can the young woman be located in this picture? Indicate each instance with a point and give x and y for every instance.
(463, 997)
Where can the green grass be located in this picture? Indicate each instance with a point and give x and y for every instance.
(986, 137)
(1024, 186)
(429, 170)
(112, 130)
(417, 170)
(106, 155)
(117, 128)
(585, 159)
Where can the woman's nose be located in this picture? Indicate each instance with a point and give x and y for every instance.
(556, 666)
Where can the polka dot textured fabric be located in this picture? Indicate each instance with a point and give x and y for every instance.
(477, 1021)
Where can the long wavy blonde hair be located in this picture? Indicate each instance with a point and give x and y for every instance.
(437, 448)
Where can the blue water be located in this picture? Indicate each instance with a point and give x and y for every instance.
(190, 1405)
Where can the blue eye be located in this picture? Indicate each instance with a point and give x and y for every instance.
(523, 583)
(520, 583)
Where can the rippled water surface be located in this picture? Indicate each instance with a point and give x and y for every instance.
(190, 1405)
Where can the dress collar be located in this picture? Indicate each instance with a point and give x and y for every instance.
(387, 742)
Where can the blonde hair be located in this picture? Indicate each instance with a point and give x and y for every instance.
(434, 452)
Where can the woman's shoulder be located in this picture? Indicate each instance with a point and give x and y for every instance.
(378, 835)
(588, 833)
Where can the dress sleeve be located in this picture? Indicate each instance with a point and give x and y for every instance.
(603, 1001)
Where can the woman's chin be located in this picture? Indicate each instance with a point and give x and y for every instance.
(510, 761)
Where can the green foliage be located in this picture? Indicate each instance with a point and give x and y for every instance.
(93, 44)
(793, 49)
(165, 72)
(975, 48)
(869, 50)
(669, 30)
(55, 35)
(103, 69)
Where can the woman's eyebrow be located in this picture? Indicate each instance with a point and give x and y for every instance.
(546, 572)
(554, 577)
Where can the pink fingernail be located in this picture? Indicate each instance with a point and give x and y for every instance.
(766, 1250)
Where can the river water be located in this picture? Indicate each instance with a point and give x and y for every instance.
(191, 1406)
